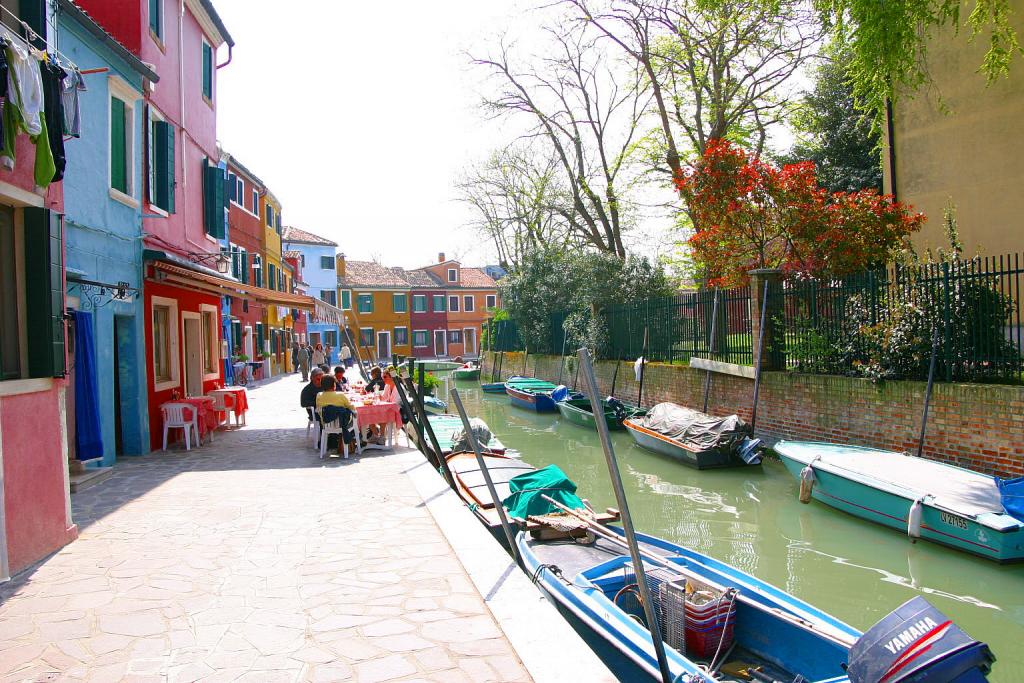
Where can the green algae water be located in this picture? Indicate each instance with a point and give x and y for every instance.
(751, 518)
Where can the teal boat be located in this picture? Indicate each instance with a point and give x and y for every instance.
(446, 427)
(579, 412)
(922, 498)
(467, 372)
(532, 394)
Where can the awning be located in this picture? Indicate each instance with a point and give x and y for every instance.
(326, 313)
(224, 286)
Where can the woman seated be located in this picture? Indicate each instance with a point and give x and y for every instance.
(332, 404)
(340, 379)
(376, 382)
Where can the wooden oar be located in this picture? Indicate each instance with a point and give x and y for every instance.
(665, 563)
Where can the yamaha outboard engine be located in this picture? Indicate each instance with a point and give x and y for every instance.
(618, 409)
(917, 644)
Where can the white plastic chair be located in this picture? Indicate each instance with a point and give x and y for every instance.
(312, 423)
(174, 418)
(225, 402)
(337, 428)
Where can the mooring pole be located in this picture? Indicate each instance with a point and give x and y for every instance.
(615, 375)
(501, 363)
(928, 390)
(561, 359)
(627, 522)
(643, 363)
(429, 430)
(526, 355)
(711, 351)
(422, 376)
(760, 352)
(417, 427)
(505, 526)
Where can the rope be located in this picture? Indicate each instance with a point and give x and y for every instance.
(553, 568)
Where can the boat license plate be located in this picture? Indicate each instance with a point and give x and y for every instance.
(953, 520)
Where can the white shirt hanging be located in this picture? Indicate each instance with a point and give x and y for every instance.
(25, 86)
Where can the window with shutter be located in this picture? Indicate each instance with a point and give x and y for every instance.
(44, 293)
(271, 275)
(119, 161)
(232, 187)
(280, 281)
(213, 201)
(346, 299)
(207, 71)
(156, 18)
(10, 301)
(163, 165)
(245, 267)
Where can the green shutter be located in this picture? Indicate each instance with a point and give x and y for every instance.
(232, 187)
(118, 153)
(44, 293)
(245, 268)
(346, 299)
(163, 151)
(259, 339)
(154, 17)
(207, 71)
(213, 200)
(271, 276)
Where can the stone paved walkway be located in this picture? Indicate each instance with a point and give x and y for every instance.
(252, 560)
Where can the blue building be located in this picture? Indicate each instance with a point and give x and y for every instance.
(319, 272)
(103, 191)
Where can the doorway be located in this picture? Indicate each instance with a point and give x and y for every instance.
(383, 345)
(440, 343)
(247, 343)
(193, 354)
(469, 337)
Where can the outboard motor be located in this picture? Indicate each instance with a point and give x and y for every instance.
(560, 393)
(618, 409)
(749, 450)
(918, 644)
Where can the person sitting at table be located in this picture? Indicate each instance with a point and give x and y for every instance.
(307, 399)
(333, 405)
(376, 382)
(340, 379)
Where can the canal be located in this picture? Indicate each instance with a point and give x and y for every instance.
(751, 518)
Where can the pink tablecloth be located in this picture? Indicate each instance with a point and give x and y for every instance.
(379, 413)
(207, 415)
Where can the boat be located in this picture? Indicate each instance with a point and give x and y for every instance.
(578, 411)
(432, 404)
(467, 371)
(433, 365)
(922, 498)
(498, 387)
(530, 393)
(447, 427)
(744, 630)
(471, 487)
(695, 438)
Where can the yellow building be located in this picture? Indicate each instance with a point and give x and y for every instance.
(971, 154)
(278, 340)
(376, 303)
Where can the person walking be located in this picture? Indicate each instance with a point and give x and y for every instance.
(346, 356)
(295, 356)
(318, 355)
(304, 358)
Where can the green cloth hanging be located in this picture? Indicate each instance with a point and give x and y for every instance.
(525, 499)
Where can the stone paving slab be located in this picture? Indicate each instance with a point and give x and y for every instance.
(250, 559)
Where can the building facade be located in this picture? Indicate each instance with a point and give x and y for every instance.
(315, 256)
(245, 246)
(375, 299)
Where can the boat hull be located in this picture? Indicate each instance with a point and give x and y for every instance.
(889, 509)
(585, 418)
(493, 388)
(466, 374)
(540, 403)
(658, 443)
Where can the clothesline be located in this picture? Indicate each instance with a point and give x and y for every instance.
(8, 33)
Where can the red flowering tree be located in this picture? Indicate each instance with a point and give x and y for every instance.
(750, 214)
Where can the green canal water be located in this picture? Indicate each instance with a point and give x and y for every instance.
(752, 519)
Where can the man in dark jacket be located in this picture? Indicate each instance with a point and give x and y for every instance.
(307, 399)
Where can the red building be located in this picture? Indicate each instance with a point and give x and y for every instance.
(428, 316)
(35, 510)
(184, 200)
(245, 234)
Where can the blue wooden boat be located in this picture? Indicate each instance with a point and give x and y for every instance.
(774, 635)
(923, 498)
(433, 404)
(531, 394)
(498, 387)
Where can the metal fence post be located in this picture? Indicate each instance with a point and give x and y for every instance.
(947, 350)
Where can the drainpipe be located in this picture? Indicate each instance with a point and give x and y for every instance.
(231, 49)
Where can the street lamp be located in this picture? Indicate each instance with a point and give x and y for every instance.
(220, 260)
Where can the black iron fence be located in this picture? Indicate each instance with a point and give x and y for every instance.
(881, 322)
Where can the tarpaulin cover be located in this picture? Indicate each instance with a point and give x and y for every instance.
(460, 440)
(696, 430)
(526, 490)
(1012, 493)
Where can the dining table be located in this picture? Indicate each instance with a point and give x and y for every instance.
(372, 410)
(239, 399)
(206, 414)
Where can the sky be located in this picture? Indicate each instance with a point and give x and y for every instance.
(361, 116)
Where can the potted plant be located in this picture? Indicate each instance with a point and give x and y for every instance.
(242, 358)
(430, 384)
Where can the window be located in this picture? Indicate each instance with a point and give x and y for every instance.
(453, 304)
(302, 260)
(214, 201)
(156, 18)
(270, 216)
(207, 71)
(420, 339)
(468, 305)
(419, 303)
(439, 303)
(161, 164)
(239, 191)
(453, 275)
(454, 336)
(271, 275)
(326, 263)
(256, 202)
(10, 341)
(210, 340)
(365, 303)
(236, 262)
(346, 300)
(331, 338)
(399, 303)
(121, 129)
(280, 280)
(329, 295)
(165, 343)
(492, 300)
(401, 336)
(366, 336)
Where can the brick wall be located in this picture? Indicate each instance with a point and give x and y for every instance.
(978, 426)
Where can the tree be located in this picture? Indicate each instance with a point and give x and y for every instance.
(835, 134)
(756, 215)
(518, 196)
(588, 110)
(715, 70)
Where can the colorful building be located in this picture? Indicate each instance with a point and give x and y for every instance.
(275, 340)
(300, 318)
(470, 294)
(316, 256)
(245, 247)
(428, 317)
(103, 222)
(35, 511)
(375, 299)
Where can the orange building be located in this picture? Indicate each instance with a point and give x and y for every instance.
(471, 294)
(376, 303)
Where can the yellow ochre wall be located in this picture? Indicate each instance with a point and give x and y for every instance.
(971, 155)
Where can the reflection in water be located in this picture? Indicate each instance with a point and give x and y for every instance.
(751, 518)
